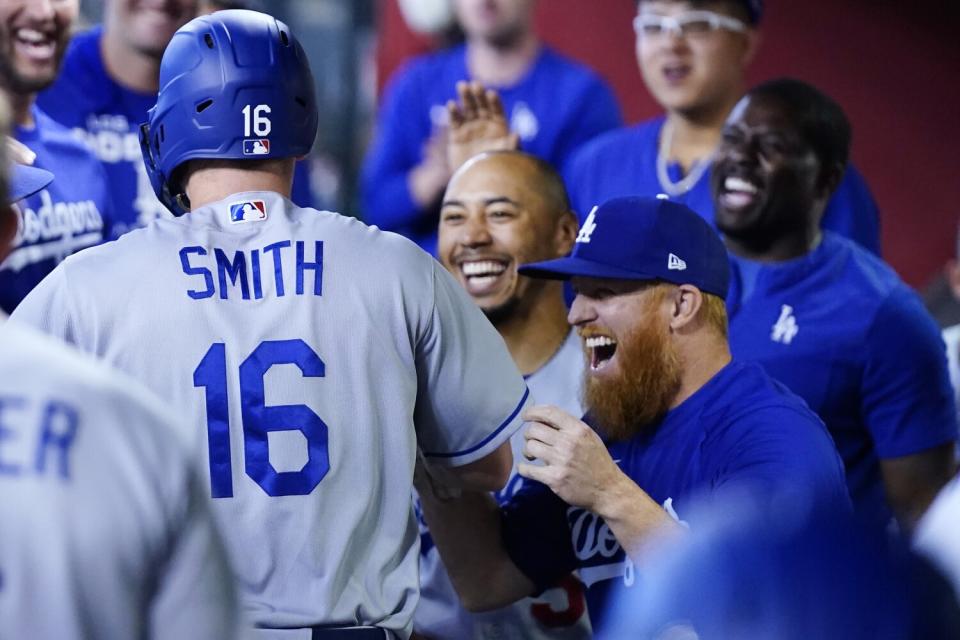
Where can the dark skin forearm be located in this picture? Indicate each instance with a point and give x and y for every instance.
(913, 481)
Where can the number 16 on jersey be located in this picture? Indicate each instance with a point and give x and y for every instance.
(259, 419)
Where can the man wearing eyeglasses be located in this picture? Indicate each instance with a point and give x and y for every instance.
(693, 55)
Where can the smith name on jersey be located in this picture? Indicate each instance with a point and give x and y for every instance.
(244, 273)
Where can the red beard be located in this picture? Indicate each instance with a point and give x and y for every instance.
(640, 396)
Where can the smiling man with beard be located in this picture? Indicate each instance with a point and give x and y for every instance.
(825, 317)
(671, 420)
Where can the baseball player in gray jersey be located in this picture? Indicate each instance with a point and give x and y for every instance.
(501, 210)
(104, 528)
(314, 355)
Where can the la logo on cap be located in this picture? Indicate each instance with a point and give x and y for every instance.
(589, 226)
(675, 263)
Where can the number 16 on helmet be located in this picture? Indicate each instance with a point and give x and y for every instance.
(234, 85)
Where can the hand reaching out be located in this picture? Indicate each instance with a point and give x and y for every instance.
(19, 152)
(477, 124)
(577, 465)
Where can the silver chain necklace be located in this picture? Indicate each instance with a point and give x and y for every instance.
(671, 188)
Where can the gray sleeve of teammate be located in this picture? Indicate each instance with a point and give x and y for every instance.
(470, 393)
(47, 308)
(195, 595)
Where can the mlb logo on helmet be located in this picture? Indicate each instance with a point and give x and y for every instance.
(256, 147)
(248, 211)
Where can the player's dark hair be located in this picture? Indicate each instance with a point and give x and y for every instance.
(820, 120)
(551, 184)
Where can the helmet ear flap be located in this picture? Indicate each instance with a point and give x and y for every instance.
(183, 202)
(149, 148)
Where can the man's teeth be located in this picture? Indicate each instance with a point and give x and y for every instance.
(482, 268)
(599, 341)
(31, 36)
(738, 184)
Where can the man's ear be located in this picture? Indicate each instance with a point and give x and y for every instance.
(754, 39)
(951, 272)
(687, 300)
(829, 180)
(566, 236)
(8, 229)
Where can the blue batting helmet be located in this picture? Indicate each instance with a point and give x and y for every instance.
(234, 85)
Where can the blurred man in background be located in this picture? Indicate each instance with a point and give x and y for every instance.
(693, 55)
(110, 79)
(73, 212)
(792, 571)
(501, 210)
(823, 315)
(553, 104)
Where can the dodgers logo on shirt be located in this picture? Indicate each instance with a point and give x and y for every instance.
(248, 211)
(256, 147)
(786, 328)
(600, 554)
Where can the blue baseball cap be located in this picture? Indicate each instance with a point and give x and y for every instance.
(644, 239)
(26, 181)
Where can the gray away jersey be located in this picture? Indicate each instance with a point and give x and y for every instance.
(313, 354)
(558, 613)
(104, 528)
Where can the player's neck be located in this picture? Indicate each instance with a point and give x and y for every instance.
(702, 357)
(498, 66)
(207, 185)
(537, 329)
(132, 69)
(789, 246)
(695, 135)
(22, 106)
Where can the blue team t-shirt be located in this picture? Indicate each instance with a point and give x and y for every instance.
(624, 163)
(557, 107)
(108, 117)
(72, 213)
(842, 331)
(742, 431)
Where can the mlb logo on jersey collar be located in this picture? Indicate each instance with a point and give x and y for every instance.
(256, 147)
(248, 211)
